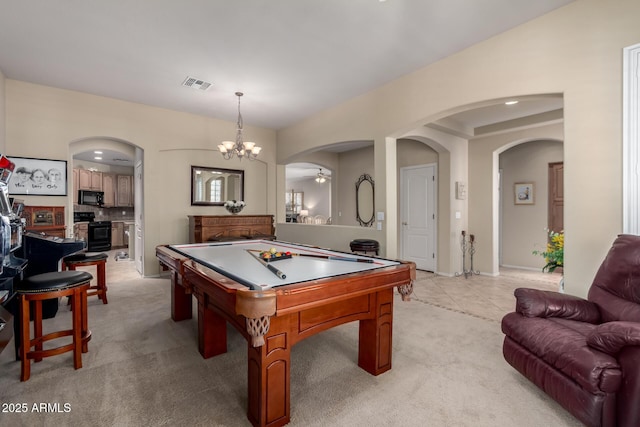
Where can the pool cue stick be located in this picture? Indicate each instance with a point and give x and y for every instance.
(336, 258)
(270, 267)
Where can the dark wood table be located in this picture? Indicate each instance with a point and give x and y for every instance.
(273, 314)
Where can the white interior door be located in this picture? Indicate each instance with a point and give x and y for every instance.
(418, 215)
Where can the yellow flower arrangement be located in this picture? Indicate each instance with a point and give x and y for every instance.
(554, 255)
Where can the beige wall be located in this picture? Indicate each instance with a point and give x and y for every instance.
(353, 164)
(43, 121)
(574, 50)
(524, 226)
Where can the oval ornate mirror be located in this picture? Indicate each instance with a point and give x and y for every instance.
(365, 208)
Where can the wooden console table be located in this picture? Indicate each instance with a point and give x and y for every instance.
(216, 228)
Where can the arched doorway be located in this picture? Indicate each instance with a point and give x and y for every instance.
(122, 166)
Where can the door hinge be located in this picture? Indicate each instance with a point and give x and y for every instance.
(433, 256)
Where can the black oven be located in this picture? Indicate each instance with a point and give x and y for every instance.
(99, 237)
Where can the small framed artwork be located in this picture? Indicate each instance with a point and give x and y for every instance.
(38, 177)
(523, 193)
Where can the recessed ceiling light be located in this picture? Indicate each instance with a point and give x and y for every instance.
(97, 152)
(97, 158)
(510, 102)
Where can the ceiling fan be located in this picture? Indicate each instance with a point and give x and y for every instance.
(322, 177)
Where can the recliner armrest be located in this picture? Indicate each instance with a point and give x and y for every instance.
(537, 303)
(612, 337)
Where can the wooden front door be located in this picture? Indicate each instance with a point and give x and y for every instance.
(556, 196)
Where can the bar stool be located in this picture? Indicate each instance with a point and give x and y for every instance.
(100, 261)
(364, 245)
(45, 286)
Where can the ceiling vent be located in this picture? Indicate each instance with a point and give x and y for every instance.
(196, 83)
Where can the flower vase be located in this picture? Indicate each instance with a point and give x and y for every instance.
(234, 210)
(561, 285)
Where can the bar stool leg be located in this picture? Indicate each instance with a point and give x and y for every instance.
(85, 321)
(37, 328)
(77, 330)
(70, 268)
(25, 364)
(102, 281)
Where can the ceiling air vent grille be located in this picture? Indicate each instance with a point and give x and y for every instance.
(196, 83)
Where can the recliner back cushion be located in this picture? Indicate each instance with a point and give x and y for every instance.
(616, 287)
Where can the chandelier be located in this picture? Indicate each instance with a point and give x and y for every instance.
(239, 148)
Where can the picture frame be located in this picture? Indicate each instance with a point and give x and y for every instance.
(38, 177)
(523, 193)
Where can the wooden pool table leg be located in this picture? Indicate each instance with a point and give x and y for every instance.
(180, 299)
(269, 374)
(375, 339)
(212, 329)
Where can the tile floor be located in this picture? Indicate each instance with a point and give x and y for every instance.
(478, 295)
(481, 296)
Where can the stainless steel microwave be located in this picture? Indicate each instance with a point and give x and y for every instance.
(92, 198)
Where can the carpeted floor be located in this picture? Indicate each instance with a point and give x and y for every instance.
(144, 369)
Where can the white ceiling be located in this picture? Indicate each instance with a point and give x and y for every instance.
(108, 157)
(291, 58)
(303, 171)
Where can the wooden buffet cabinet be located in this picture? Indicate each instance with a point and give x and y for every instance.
(212, 228)
(45, 219)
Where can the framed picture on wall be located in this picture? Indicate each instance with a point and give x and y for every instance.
(38, 177)
(523, 193)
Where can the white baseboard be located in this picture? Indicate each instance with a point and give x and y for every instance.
(519, 267)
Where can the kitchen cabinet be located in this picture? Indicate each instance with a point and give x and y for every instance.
(89, 180)
(117, 234)
(109, 188)
(81, 231)
(124, 195)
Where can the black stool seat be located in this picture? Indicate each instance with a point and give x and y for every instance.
(85, 257)
(54, 281)
(364, 245)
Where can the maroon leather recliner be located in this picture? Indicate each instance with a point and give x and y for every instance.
(585, 354)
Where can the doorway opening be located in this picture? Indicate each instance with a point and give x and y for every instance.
(113, 167)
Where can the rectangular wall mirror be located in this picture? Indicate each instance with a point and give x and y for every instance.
(214, 186)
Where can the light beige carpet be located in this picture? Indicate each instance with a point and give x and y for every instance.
(144, 369)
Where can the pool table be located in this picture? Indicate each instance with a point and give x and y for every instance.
(276, 303)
